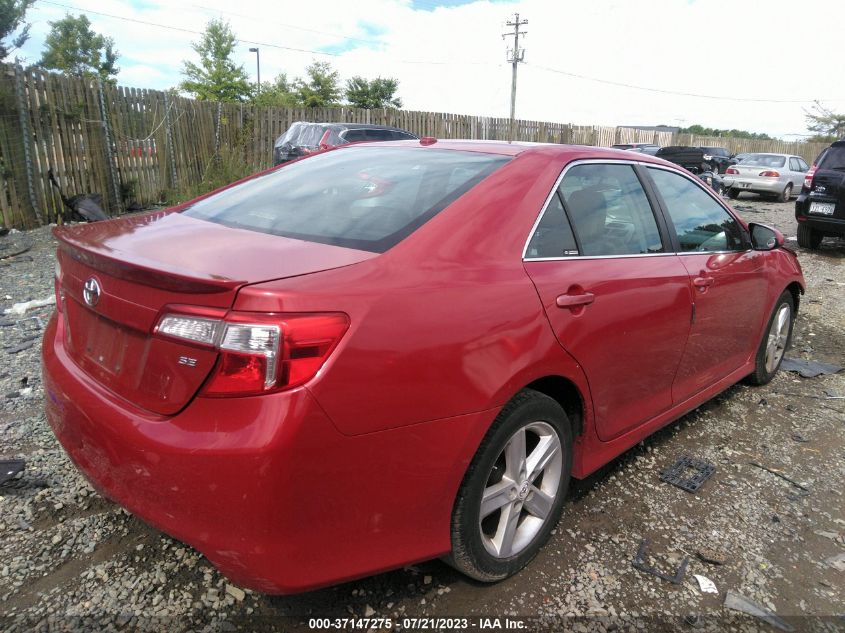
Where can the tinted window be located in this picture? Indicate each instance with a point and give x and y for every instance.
(701, 223)
(379, 135)
(609, 210)
(302, 135)
(716, 151)
(794, 165)
(403, 136)
(361, 197)
(355, 136)
(553, 236)
(833, 158)
(764, 160)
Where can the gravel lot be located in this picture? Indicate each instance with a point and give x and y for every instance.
(72, 560)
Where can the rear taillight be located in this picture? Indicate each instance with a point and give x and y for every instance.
(770, 174)
(808, 179)
(731, 170)
(259, 353)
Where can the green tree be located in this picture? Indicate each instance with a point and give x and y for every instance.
(12, 14)
(378, 93)
(74, 48)
(322, 89)
(216, 77)
(827, 124)
(699, 130)
(278, 93)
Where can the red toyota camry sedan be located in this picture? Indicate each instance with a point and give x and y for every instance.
(385, 353)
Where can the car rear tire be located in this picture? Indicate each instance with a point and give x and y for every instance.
(513, 492)
(808, 237)
(786, 194)
(733, 194)
(775, 341)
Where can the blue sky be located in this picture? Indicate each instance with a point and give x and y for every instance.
(449, 55)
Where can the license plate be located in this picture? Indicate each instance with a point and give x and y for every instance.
(822, 208)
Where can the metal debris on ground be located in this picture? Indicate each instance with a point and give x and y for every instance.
(778, 473)
(688, 473)
(809, 368)
(640, 563)
(738, 602)
(837, 562)
(9, 468)
(705, 584)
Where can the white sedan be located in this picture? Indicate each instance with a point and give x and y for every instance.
(778, 175)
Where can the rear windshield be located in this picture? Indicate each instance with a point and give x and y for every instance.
(833, 158)
(367, 198)
(304, 135)
(716, 151)
(764, 160)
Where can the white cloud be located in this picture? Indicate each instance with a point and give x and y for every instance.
(715, 47)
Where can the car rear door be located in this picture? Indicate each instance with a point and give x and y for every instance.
(728, 281)
(616, 296)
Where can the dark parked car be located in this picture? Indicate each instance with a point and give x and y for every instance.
(718, 158)
(303, 137)
(820, 209)
(643, 148)
(694, 160)
(390, 352)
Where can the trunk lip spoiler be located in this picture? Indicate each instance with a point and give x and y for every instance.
(135, 269)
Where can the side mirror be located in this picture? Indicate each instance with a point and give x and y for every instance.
(765, 238)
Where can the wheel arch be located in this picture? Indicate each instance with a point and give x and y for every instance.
(567, 394)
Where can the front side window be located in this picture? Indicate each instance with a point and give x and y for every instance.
(363, 197)
(609, 211)
(701, 223)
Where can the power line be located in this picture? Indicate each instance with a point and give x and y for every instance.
(674, 92)
(246, 41)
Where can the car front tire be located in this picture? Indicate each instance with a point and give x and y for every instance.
(513, 492)
(775, 342)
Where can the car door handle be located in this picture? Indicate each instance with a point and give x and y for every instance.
(573, 301)
(703, 282)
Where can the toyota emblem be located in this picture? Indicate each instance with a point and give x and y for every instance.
(91, 292)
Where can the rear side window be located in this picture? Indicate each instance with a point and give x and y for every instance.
(833, 158)
(794, 165)
(368, 198)
(609, 211)
(553, 236)
(701, 223)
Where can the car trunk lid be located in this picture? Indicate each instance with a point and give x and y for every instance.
(136, 267)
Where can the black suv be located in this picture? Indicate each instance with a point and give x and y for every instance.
(303, 137)
(820, 209)
(718, 158)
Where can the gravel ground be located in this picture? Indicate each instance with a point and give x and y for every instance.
(72, 560)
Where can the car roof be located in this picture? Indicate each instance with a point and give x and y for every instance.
(353, 126)
(553, 150)
(771, 154)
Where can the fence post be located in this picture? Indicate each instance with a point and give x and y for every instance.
(171, 151)
(26, 134)
(111, 158)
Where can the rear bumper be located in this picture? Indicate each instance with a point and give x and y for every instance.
(266, 487)
(825, 223)
(755, 185)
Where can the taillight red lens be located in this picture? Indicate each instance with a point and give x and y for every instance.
(808, 179)
(259, 353)
(770, 174)
(731, 170)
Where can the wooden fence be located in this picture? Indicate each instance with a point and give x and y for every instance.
(143, 146)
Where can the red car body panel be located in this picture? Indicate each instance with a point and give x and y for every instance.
(357, 471)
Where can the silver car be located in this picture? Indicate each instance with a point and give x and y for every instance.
(779, 175)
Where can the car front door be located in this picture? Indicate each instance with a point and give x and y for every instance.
(615, 294)
(727, 279)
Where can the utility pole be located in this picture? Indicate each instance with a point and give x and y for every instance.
(515, 56)
(257, 67)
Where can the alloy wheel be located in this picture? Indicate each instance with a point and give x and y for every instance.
(778, 337)
(521, 489)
